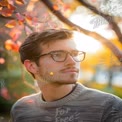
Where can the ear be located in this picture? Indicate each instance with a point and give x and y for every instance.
(31, 66)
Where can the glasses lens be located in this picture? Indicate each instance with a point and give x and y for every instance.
(78, 56)
(59, 55)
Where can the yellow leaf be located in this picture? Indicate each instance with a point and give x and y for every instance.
(20, 2)
(11, 24)
(8, 44)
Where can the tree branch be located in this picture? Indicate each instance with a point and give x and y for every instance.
(104, 41)
(109, 19)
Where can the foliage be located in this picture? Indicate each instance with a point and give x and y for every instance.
(36, 17)
(12, 86)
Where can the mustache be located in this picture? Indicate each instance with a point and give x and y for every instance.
(70, 69)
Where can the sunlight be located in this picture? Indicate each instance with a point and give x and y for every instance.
(84, 19)
(86, 43)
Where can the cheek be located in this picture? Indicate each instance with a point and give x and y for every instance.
(47, 64)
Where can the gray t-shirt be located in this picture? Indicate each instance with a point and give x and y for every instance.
(81, 105)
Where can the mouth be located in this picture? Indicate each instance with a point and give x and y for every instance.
(70, 70)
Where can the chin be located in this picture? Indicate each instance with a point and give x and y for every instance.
(68, 82)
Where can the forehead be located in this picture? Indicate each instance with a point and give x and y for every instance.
(67, 44)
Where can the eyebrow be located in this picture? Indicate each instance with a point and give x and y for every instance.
(62, 50)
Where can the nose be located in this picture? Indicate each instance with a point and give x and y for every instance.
(69, 60)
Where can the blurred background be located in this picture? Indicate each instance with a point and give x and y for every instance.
(98, 26)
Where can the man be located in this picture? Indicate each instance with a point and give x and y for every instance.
(53, 60)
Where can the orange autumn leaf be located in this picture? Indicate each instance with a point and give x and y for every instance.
(20, 2)
(3, 3)
(11, 7)
(55, 7)
(28, 18)
(11, 24)
(10, 45)
(15, 47)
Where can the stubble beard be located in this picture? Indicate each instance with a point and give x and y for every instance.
(58, 79)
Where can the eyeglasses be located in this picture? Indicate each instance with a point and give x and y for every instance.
(61, 55)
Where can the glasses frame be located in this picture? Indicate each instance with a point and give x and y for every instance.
(52, 52)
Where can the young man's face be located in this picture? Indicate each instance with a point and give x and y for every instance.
(59, 72)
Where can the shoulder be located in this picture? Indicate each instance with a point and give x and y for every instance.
(97, 96)
(110, 104)
(113, 110)
(104, 96)
(25, 103)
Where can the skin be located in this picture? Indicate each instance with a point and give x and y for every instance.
(55, 79)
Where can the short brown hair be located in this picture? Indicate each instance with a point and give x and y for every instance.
(31, 48)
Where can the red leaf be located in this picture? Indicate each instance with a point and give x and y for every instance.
(6, 12)
(20, 18)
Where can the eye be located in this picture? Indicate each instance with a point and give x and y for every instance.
(75, 53)
(58, 54)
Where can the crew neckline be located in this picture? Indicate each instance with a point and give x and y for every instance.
(74, 94)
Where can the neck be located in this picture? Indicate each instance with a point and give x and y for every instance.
(53, 91)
